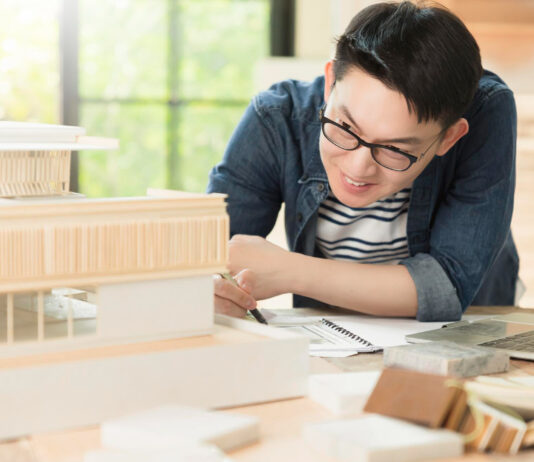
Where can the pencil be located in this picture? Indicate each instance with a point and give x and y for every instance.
(254, 312)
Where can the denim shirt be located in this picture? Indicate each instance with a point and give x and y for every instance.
(461, 248)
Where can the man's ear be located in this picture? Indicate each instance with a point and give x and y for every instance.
(329, 79)
(452, 135)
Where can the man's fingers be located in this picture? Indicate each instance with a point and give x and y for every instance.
(224, 306)
(226, 290)
(246, 280)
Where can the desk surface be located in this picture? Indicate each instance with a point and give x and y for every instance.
(280, 423)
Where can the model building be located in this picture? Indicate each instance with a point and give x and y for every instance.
(106, 305)
(113, 268)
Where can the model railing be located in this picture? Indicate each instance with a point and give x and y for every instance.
(67, 243)
(34, 173)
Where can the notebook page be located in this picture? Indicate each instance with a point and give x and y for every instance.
(384, 332)
(325, 341)
(380, 331)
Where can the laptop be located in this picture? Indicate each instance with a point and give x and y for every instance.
(513, 333)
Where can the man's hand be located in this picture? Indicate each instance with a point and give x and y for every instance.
(234, 300)
(269, 264)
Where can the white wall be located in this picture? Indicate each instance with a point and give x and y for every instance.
(318, 22)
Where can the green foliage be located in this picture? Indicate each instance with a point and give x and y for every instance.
(123, 49)
(221, 41)
(203, 132)
(141, 160)
(172, 96)
(29, 60)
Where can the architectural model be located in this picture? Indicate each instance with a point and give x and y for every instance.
(98, 295)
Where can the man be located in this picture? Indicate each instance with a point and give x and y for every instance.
(397, 169)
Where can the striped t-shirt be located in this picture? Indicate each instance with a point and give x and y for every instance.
(372, 234)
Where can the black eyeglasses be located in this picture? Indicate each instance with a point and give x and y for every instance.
(389, 157)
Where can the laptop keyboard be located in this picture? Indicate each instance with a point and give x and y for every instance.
(518, 342)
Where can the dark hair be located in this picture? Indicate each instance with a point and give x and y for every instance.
(424, 52)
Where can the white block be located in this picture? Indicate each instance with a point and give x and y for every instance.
(170, 427)
(344, 393)
(232, 367)
(194, 453)
(374, 438)
(163, 308)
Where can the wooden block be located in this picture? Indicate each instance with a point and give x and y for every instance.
(528, 439)
(503, 430)
(481, 441)
(457, 413)
(421, 398)
(447, 358)
(493, 441)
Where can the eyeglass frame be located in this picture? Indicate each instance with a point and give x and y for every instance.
(361, 142)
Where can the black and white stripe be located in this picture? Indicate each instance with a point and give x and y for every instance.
(372, 234)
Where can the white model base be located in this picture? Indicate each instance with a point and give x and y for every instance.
(241, 363)
(172, 426)
(376, 438)
(193, 453)
(163, 308)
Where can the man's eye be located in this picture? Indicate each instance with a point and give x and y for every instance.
(390, 154)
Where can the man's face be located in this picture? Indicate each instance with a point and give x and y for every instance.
(379, 115)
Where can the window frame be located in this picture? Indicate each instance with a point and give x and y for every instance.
(281, 29)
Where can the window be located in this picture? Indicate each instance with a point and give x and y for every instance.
(29, 61)
(171, 82)
(169, 78)
(49, 314)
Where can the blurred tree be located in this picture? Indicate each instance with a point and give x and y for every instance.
(29, 61)
(170, 78)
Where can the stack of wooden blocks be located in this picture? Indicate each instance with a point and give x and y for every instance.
(493, 414)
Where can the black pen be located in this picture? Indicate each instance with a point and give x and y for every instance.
(254, 312)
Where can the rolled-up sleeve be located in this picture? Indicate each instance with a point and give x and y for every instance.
(437, 299)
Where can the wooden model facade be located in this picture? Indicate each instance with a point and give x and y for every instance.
(71, 265)
(58, 256)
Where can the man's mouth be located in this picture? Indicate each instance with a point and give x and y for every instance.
(355, 183)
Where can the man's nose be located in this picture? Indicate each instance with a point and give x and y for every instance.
(362, 162)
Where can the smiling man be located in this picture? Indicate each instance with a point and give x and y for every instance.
(397, 170)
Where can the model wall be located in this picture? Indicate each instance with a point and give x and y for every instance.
(130, 246)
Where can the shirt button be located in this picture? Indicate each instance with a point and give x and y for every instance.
(320, 187)
(299, 217)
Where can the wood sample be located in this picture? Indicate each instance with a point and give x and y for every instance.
(421, 398)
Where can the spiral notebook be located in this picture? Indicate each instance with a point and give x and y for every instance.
(327, 338)
(344, 334)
